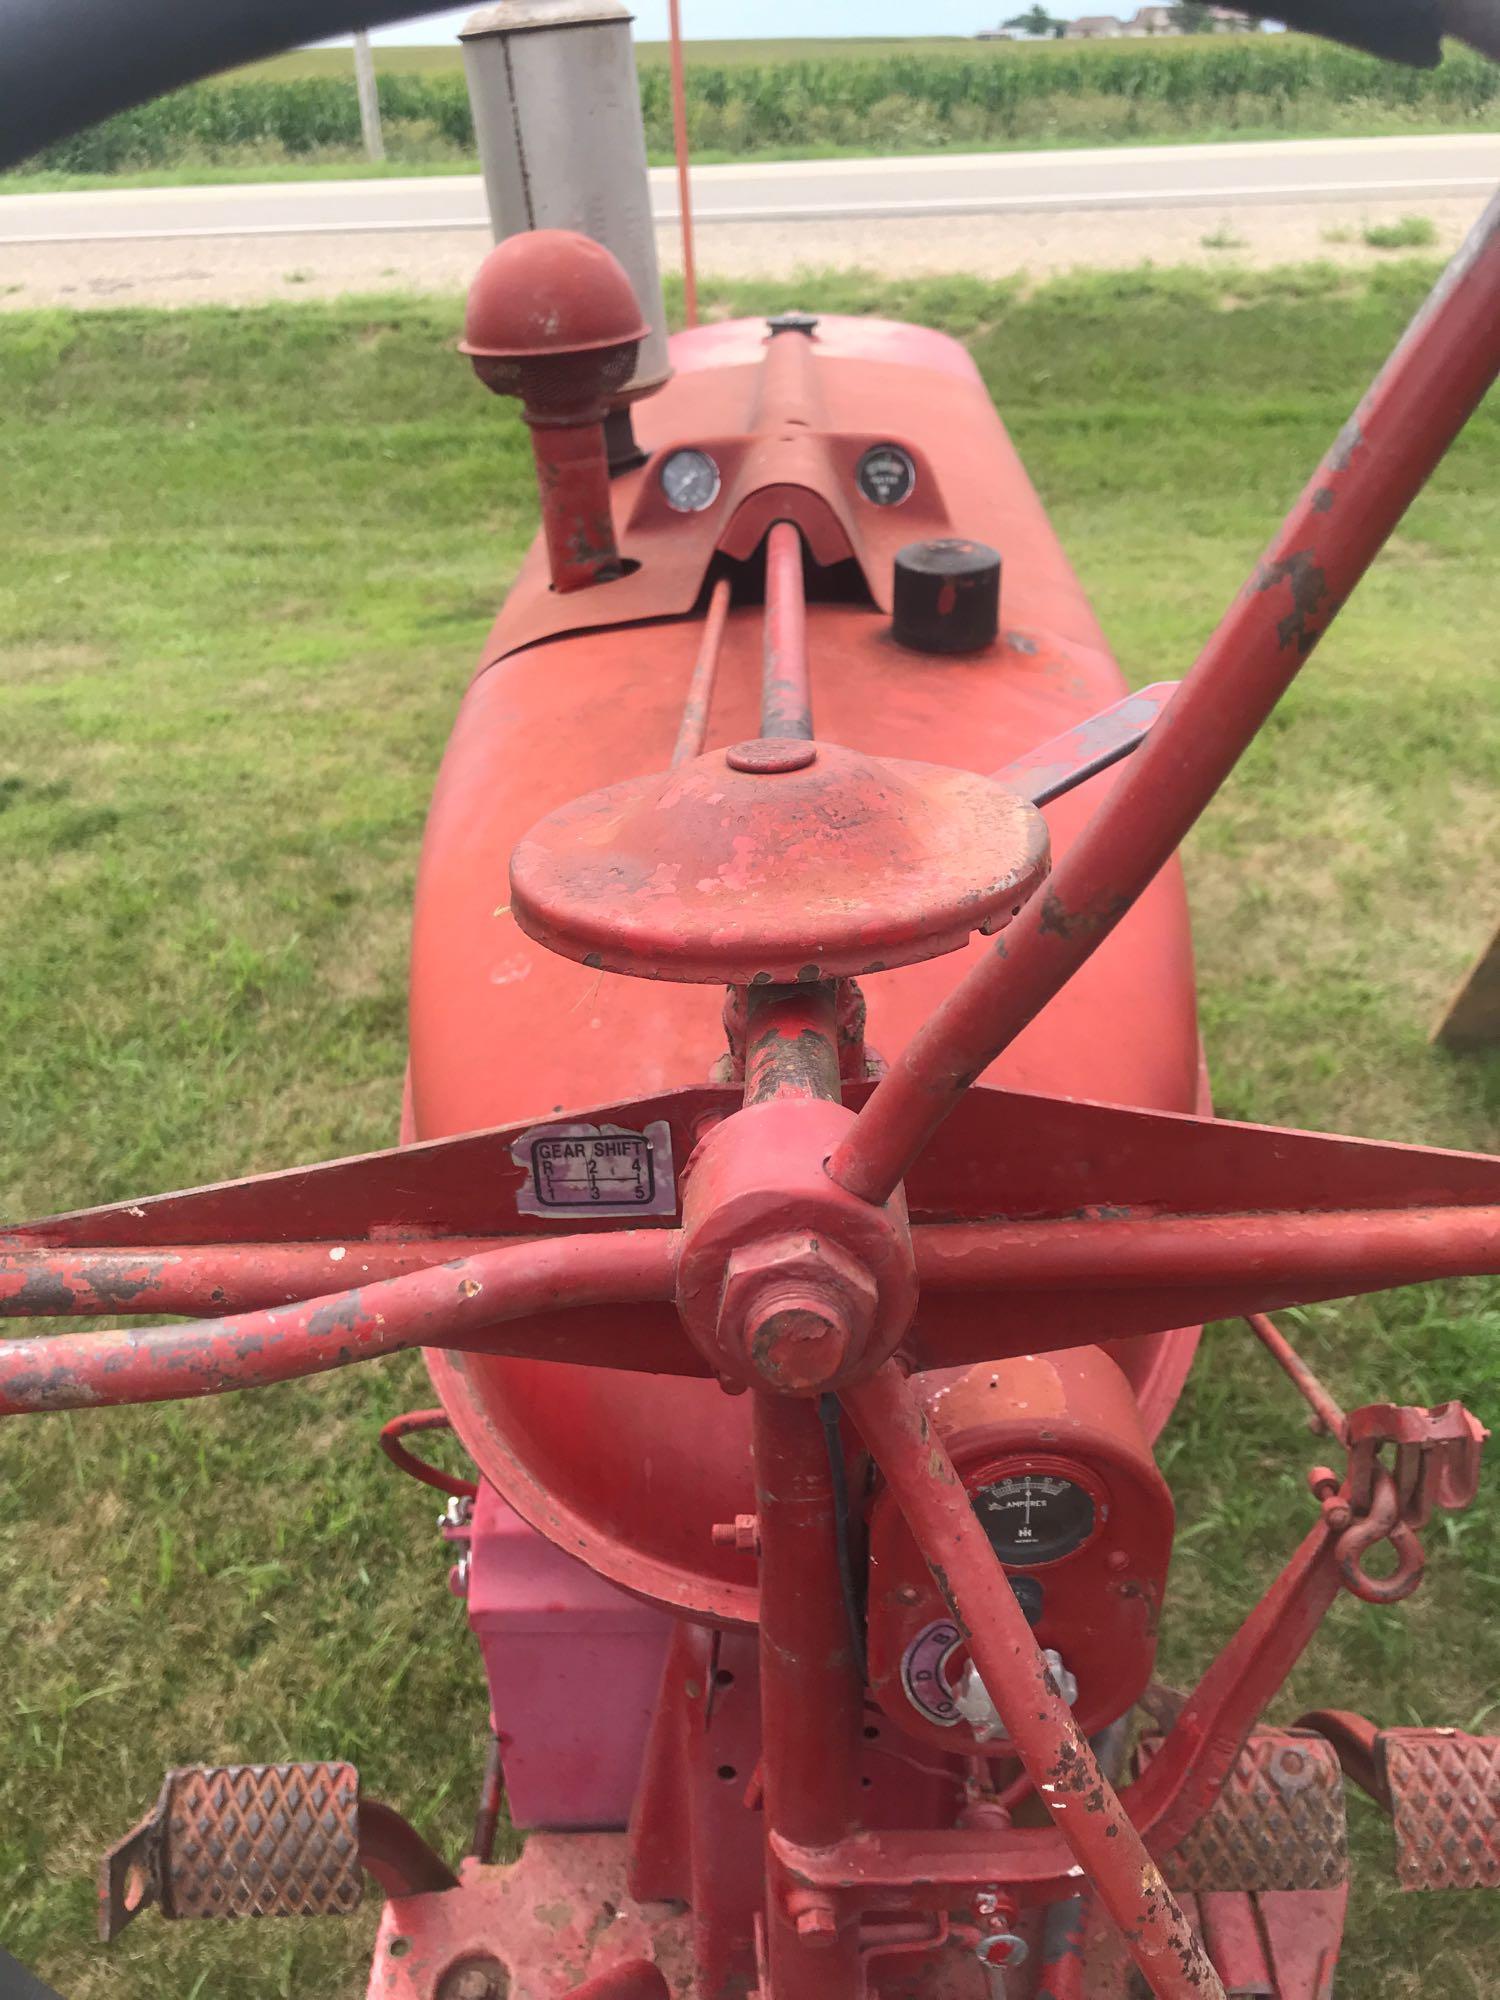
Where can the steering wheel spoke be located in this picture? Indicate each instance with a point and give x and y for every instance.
(466, 1303)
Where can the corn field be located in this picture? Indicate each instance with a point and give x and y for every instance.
(892, 103)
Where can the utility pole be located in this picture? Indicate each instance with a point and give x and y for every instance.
(369, 97)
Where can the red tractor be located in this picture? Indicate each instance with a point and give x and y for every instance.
(808, 1201)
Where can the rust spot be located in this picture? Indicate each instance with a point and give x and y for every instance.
(43, 1293)
(1058, 920)
(339, 1315)
(1309, 587)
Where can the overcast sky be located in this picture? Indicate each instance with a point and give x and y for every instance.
(731, 19)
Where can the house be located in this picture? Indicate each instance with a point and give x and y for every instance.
(1153, 21)
(1226, 21)
(1093, 28)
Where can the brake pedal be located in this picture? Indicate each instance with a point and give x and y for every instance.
(1444, 1789)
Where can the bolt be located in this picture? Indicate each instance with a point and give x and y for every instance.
(742, 1533)
(817, 1923)
(798, 1340)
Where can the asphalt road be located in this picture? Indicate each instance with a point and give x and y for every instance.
(1148, 177)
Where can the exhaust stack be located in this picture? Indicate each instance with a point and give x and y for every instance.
(557, 114)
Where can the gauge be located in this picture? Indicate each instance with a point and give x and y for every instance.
(886, 475)
(1035, 1517)
(690, 481)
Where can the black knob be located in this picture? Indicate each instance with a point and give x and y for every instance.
(946, 597)
(792, 322)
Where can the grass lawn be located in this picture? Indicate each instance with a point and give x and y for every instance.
(248, 560)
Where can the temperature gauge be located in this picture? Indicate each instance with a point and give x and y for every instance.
(886, 475)
(690, 481)
(1035, 1517)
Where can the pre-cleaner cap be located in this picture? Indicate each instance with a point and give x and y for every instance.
(946, 596)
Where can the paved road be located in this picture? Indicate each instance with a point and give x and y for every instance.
(1147, 177)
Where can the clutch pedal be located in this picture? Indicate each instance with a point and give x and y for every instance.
(240, 1840)
(1277, 1824)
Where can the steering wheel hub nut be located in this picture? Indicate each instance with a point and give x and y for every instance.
(801, 1310)
(786, 1281)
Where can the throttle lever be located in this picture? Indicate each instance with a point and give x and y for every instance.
(1056, 766)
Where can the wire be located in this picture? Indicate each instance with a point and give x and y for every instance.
(829, 1413)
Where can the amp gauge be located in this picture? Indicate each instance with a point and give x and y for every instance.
(1035, 1516)
(689, 481)
(886, 475)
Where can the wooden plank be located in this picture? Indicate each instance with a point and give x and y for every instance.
(1472, 1018)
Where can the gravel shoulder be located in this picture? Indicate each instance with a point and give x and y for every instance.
(254, 271)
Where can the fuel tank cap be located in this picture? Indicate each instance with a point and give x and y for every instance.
(743, 869)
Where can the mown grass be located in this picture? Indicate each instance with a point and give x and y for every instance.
(248, 558)
(888, 98)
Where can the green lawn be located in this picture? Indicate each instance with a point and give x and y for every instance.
(248, 560)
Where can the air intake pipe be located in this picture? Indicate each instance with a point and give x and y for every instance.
(551, 319)
(557, 114)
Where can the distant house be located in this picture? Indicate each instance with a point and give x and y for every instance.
(1153, 21)
(1226, 21)
(1093, 28)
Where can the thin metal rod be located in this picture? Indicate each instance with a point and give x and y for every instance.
(491, 1799)
(1419, 403)
(812, 1690)
(1318, 1399)
(1084, 1806)
(684, 178)
(786, 692)
(1201, 1748)
(693, 731)
(456, 1305)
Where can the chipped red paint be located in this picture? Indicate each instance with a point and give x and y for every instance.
(733, 871)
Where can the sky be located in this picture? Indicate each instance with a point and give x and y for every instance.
(732, 19)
